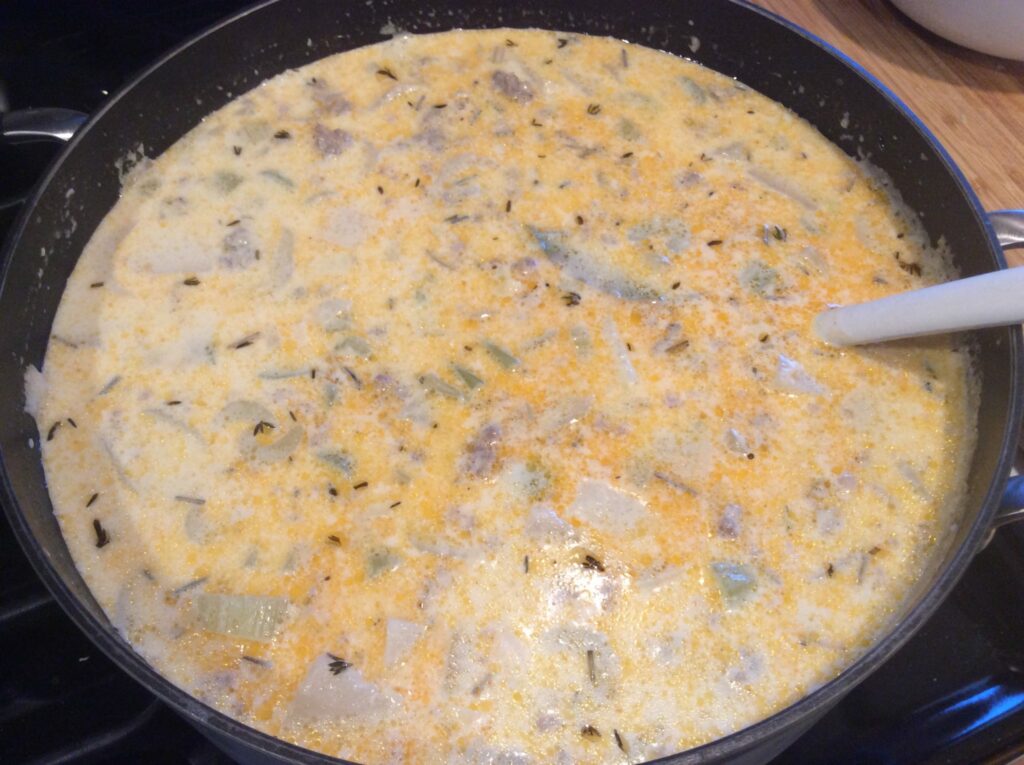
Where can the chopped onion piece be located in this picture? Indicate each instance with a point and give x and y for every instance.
(601, 505)
(184, 427)
(915, 480)
(251, 617)
(783, 186)
(526, 480)
(736, 442)
(243, 409)
(35, 390)
(334, 315)
(619, 351)
(326, 697)
(283, 264)
(282, 447)
(574, 642)
(543, 523)
(562, 414)
(401, 636)
(791, 377)
(736, 581)
(812, 261)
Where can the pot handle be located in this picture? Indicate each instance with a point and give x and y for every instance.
(1009, 229)
(28, 125)
(1011, 507)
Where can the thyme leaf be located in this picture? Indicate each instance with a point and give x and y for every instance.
(102, 537)
(592, 563)
(337, 665)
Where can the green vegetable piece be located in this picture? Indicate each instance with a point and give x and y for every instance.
(338, 460)
(283, 374)
(502, 356)
(467, 376)
(434, 383)
(354, 346)
(278, 177)
(736, 581)
(381, 561)
(251, 617)
(693, 90)
(225, 181)
(761, 279)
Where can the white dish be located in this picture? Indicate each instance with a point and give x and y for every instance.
(990, 26)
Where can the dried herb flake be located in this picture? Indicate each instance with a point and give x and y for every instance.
(592, 563)
(102, 537)
(337, 665)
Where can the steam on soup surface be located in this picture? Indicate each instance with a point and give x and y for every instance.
(454, 400)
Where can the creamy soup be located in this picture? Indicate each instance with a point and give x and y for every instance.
(454, 399)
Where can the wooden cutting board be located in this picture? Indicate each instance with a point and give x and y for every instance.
(974, 103)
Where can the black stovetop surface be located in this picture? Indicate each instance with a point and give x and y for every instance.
(954, 694)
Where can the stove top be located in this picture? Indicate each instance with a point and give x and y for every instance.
(954, 694)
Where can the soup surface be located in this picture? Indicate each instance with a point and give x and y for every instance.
(454, 399)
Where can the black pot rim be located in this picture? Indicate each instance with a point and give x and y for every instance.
(105, 637)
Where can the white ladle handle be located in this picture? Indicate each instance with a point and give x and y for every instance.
(988, 300)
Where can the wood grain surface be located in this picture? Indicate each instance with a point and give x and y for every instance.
(974, 103)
